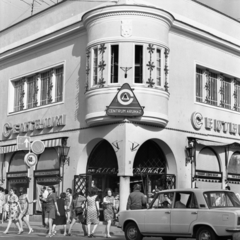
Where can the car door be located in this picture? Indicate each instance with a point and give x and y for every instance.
(157, 218)
(184, 214)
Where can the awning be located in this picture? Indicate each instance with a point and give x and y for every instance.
(48, 143)
(213, 143)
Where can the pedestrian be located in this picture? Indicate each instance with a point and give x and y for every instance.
(117, 205)
(5, 207)
(78, 212)
(68, 204)
(51, 207)
(92, 211)
(13, 211)
(136, 199)
(2, 201)
(60, 219)
(109, 210)
(43, 195)
(24, 206)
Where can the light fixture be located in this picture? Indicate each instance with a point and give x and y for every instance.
(63, 153)
(2, 180)
(190, 152)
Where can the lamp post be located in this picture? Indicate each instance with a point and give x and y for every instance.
(190, 158)
(63, 154)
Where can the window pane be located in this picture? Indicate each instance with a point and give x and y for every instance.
(95, 66)
(18, 91)
(138, 64)
(158, 68)
(199, 85)
(213, 89)
(59, 84)
(31, 92)
(226, 94)
(114, 64)
(45, 88)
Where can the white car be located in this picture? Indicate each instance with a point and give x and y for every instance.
(185, 213)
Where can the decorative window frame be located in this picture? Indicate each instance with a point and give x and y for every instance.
(220, 92)
(36, 74)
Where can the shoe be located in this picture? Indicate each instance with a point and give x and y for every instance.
(30, 231)
(69, 234)
(109, 236)
(91, 235)
(5, 232)
(48, 235)
(54, 232)
(85, 234)
(20, 232)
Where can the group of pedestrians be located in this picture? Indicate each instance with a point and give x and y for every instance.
(14, 208)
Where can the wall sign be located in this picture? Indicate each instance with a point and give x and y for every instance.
(148, 170)
(15, 175)
(125, 104)
(47, 173)
(217, 125)
(233, 176)
(205, 174)
(30, 126)
(102, 170)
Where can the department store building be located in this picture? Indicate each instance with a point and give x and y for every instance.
(140, 91)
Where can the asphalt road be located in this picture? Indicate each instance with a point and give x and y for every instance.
(36, 236)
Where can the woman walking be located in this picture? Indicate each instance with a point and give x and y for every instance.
(13, 211)
(50, 211)
(92, 211)
(61, 219)
(77, 212)
(24, 205)
(68, 204)
(108, 212)
(5, 206)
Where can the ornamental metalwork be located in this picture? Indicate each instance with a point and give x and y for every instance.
(207, 85)
(36, 89)
(50, 87)
(22, 93)
(82, 183)
(150, 65)
(221, 90)
(101, 65)
(166, 70)
(235, 95)
(87, 69)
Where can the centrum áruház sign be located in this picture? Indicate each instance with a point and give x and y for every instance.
(125, 104)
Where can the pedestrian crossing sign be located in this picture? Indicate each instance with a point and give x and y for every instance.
(125, 103)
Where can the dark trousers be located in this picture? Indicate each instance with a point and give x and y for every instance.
(43, 214)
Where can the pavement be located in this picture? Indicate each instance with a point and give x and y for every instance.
(77, 228)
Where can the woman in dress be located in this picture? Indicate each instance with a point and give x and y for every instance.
(92, 211)
(50, 210)
(78, 202)
(5, 207)
(68, 204)
(109, 209)
(13, 211)
(61, 219)
(24, 205)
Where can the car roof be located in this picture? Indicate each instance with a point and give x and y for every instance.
(197, 190)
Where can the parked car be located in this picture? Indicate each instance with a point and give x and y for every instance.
(185, 213)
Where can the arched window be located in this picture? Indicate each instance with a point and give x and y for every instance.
(17, 163)
(234, 163)
(48, 160)
(208, 161)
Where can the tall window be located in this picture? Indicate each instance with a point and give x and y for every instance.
(18, 95)
(95, 66)
(212, 89)
(31, 92)
(59, 84)
(199, 85)
(158, 68)
(114, 63)
(138, 64)
(46, 87)
(226, 93)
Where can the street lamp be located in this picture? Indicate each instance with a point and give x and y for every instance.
(190, 151)
(63, 152)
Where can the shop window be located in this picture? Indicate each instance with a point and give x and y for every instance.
(234, 164)
(138, 78)
(36, 90)
(17, 163)
(208, 161)
(114, 63)
(48, 160)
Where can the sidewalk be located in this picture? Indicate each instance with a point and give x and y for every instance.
(77, 228)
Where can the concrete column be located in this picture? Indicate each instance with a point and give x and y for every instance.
(124, 192)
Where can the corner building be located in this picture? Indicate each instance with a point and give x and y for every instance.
(62, 68)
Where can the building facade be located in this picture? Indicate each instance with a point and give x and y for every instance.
(143, 92)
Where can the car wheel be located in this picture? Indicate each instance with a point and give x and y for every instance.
(205, 233)
(132, 232)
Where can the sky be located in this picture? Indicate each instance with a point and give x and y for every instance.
(13, 11)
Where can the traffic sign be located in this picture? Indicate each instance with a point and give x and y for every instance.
(23, 143)
(38, 146)
(30, 159)
(125, 103)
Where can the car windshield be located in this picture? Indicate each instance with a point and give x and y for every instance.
(221, 199)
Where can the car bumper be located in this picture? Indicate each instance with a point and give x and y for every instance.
(233, 229)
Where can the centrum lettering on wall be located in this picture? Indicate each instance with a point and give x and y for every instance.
(29, 126)
(217, 125)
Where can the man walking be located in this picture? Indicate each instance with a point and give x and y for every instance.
(136, 199)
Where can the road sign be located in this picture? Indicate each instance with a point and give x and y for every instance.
(30, 159)
(23, 143)
(38, 146)
(125, 103)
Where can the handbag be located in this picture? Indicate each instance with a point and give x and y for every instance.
(78, 210)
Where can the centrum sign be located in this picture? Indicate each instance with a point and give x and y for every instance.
(125, 104)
